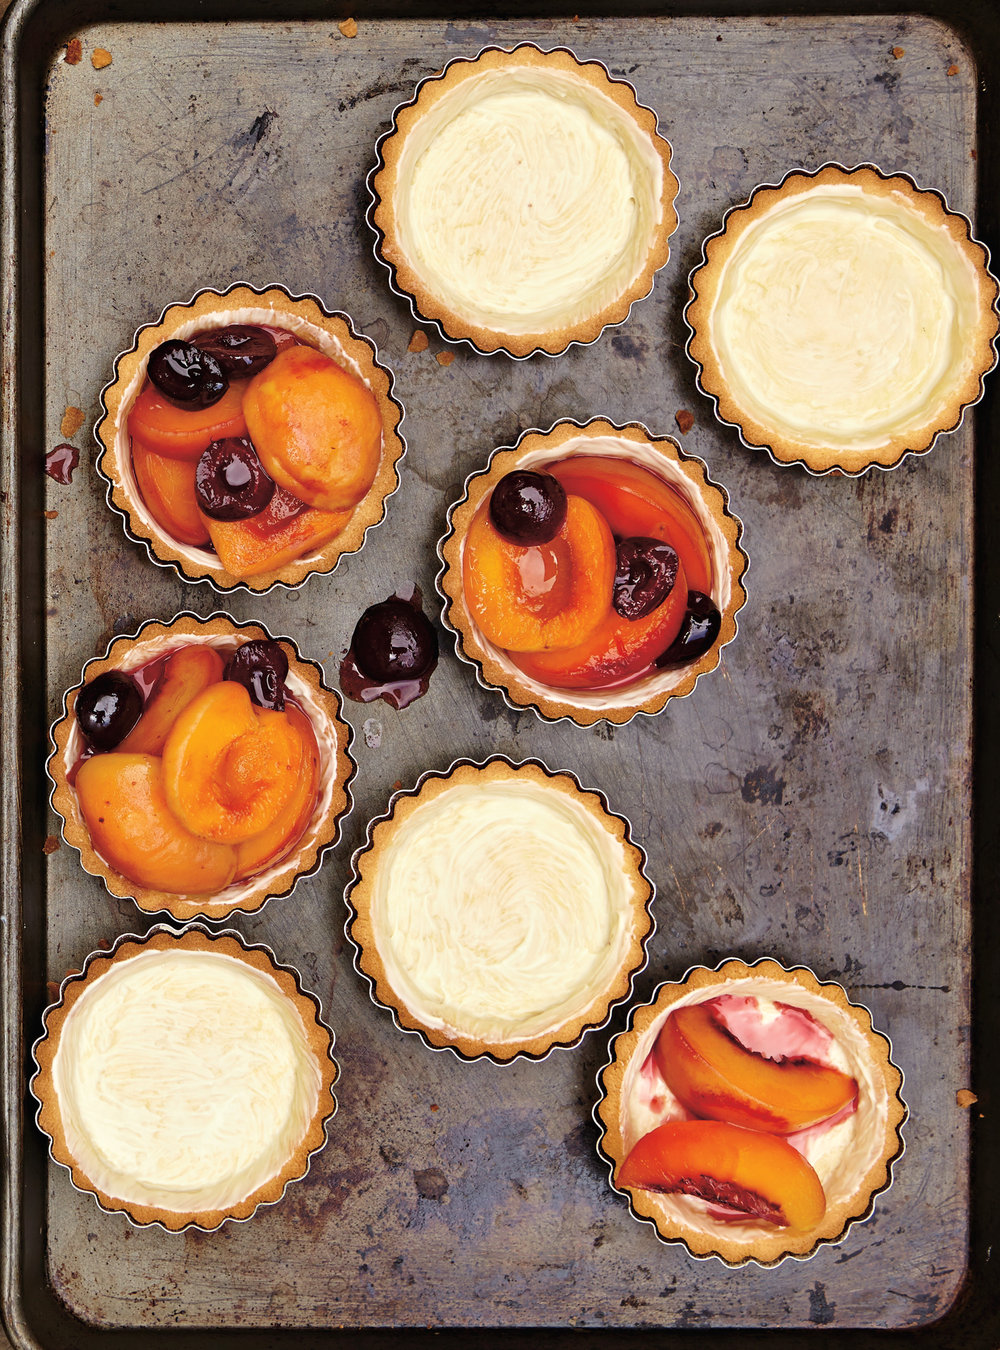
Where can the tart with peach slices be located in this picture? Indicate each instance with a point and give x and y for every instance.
(250, 438)
(592, 572)
(751, 1112)
(201, 767)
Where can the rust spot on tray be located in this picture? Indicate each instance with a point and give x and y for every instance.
(763, 785)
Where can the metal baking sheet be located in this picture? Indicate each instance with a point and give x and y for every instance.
(812, 800)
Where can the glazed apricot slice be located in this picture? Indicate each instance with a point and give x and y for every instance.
(713, 1075)
(529, 598)
(282, 532)
(635, 502)
(183, 433)
(167, 487)
(617, 649)
(185, 674)
(131, 826)
(759, 1174)
(229, 768)
(258, 852)
(316, 427)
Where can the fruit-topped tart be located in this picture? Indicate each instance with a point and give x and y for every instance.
(201, 767)
(250, 438)
(751, 1112)
(592, 572)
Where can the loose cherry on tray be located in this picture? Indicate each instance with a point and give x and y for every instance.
(528, 507)
(394, 641)
(187, 375)
(261, 667)
(241, 349)
(230, 483)
(107, 708)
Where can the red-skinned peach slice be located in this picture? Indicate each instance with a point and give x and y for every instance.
(283, 531)
(185, 674)
(316, 427)
(713, 1075)
(167, 487)
(258, 852)
(131, 826)
(183, 433)
(530, 598)
(230, 768)
(638, 504)
(725, 1164)
(616, 650)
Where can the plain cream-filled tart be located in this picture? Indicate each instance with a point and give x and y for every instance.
(524, 200)
(499, 909)
(184, 1079)
(843, 318)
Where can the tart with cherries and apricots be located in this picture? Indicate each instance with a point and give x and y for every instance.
(751, 1112)
(592, 572)
(201, 767)
(250, 438)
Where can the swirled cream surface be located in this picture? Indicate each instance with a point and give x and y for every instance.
(843, 318)
(840, 1151)
(501, 909)
(184, 1080)
(527, 200)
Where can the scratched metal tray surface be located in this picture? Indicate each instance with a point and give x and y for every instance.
(810, 801)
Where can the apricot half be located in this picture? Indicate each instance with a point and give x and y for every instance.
(183, 433)
(167, 487)
(229, 768)
(725, 1164)
(316, 427)
(282, 532)
(185, 674)
(258, 852)
(131, 826)
(713, 1075)
(529, 598)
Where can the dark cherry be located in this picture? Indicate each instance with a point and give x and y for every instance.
(107, 708)
(699, 631)
(528, 507)
(241, 350)
(644, 576)
(394, 641)
(187, 375)
(261, 667)
(230, 482)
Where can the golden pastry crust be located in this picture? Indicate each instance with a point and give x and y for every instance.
(828, 1003)
(925, 216)
(313, 324)
(362, 927)
(663, 456)
(387, 185)
(318, 1037)
(337, 768)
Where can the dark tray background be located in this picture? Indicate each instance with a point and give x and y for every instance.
(30, 1306)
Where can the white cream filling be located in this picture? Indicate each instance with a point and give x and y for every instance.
(526, 200)
(501, 910)
(185, 1080)
(842, 318)
(841, 1155)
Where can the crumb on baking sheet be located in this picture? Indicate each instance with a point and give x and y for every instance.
(965, 1098)
(74, 52)
(349, 27)
(50, 515)
(72, 421)
(98, 100)
(684, 420)
(100, 57)
(952, 70)
(418, 342)
(899, 52)
(445, 358)
(51, 844)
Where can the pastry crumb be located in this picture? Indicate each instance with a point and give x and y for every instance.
(953, 70)
(51, 515)
(684, 420)
(349, 27)
(52, 987)
(445, 358)
(98, 100)
(100, 57)
(74, 52)
(72, 421)
(965, 1098)
(898, 52)
(51, 844)
(418, 342)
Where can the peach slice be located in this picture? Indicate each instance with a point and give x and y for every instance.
(283, 531)
(316, 427)
(258, 852)
(230, 768)
(713, 1075)
(185, 674)
(616, 650)
(131, 826)
(638, 504)
(167, 487)
(183, 433)
(725, 1164)
(530, 598)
